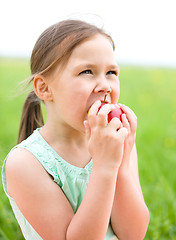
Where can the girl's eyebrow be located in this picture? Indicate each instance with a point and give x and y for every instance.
(86, 65)
(116, 67)
(89, 65)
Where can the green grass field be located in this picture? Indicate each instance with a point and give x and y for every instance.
(150, 92)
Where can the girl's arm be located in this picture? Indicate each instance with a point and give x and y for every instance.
(47, 209)
(38, 197)
(92, 218)
(44, 204)
(130, 216)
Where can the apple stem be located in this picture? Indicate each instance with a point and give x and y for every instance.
(105, 98)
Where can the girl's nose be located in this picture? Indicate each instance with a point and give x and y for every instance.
(103, 86)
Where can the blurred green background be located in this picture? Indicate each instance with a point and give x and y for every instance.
(150, 93)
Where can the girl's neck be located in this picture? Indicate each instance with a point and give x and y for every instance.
(63, 135)
(70, 145)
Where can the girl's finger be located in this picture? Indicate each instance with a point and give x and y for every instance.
(94, 108)
(103, 114)
(131, 117)
(87, 129)
(123, 132)
(125, 122)
(93, 112)
(115, 124)
(126, 109)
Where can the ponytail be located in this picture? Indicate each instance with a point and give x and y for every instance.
(31, 116)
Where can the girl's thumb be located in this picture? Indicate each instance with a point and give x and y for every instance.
(87, 129)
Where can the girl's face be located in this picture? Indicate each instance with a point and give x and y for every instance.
(90, 73)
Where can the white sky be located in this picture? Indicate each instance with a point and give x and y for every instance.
(144, 31)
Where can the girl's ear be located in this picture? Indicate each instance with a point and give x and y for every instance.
(42, 89)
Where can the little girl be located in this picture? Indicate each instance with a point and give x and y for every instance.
(76, 176)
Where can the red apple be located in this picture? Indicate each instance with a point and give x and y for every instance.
(117, 112)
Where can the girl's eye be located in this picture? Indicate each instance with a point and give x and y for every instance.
(88, 71)
(112, 72)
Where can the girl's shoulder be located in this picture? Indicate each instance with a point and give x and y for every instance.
(29, 160)
(19, 158)
(28, 154)
(21, 166)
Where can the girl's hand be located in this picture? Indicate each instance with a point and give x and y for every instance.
(129, 121)
(105, 140)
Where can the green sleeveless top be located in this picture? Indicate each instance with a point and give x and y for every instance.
(71, 179)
